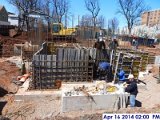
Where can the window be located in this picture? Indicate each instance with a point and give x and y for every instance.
(56, 28)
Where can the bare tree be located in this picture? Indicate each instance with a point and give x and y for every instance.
(113, 25)
(101, 21)
(61, 8)
(25, 7)
(131, 10)
(86, 20)
(93, 7)
(47, 10)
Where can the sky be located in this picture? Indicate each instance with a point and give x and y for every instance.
(108, 9)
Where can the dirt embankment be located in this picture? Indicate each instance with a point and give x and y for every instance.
(7, 44)
(8, 71)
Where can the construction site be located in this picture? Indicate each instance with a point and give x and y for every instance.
(54, 74)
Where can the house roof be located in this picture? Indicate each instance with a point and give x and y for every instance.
(10, 13)
(1, 7)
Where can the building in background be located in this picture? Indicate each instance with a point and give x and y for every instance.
(13, 19)
(151, 18)
(142, 31)
(3, 16)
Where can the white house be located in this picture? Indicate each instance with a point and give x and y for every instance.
(13, 19)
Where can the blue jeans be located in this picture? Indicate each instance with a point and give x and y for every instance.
(132, 100)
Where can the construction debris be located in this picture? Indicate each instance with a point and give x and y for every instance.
(99, 88)
(24, 77)
(92, 97)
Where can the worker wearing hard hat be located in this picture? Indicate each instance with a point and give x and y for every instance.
(100, 44)
(114, 43)
(135, 44)
(132, 88)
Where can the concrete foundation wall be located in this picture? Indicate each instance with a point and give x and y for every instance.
(157, 60)
(109, 102)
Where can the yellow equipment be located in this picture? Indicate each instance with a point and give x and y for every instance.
(61, 33)
(111, 89)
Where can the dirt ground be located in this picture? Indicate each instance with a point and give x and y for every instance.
(8, 71)
(150, 97)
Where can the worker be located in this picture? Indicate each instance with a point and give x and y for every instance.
(103, 69)
(113, 44)
(101, 53)
(121, 76)
(135, 44)
(133, 41)
(131, 87)
(100, 44)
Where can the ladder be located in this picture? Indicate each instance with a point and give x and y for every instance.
(117, 63)
(111, 57)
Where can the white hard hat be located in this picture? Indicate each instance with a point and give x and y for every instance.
(100, 32)
(130, 76)
(100, 39)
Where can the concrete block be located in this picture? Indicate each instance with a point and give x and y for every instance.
(105, 102)
(100, 102)
(157, 60)
(76, 103)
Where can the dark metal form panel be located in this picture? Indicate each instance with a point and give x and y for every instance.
(68, 64)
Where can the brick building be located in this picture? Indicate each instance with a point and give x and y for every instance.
(151, 18)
